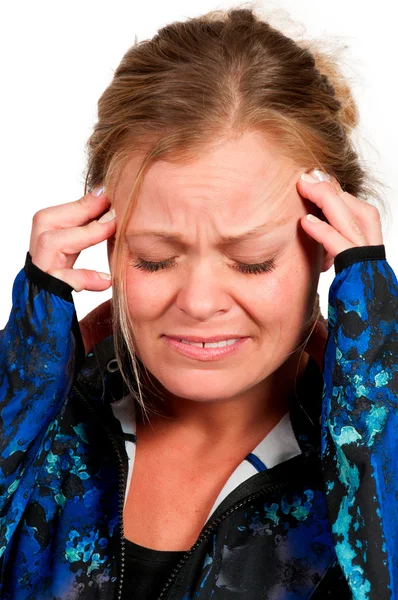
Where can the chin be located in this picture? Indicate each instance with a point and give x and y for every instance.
(204, 386)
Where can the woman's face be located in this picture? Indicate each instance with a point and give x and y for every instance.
(242, 185)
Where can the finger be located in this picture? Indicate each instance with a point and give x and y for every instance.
(69, 214)
(338, 213)
(335, 210)
(83, 279)
(368, 214)
(59, 248)
(325, 234)
(365, 211)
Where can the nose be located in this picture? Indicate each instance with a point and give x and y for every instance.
(203, 293)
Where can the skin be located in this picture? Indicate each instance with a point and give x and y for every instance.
(237, 400)
(247, 183)
(235, 187)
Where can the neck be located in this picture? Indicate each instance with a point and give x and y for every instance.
(250, 415)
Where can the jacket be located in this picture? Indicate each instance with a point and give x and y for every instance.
(319, 525)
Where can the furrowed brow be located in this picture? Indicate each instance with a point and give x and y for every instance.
(257, 231)
(229, 239)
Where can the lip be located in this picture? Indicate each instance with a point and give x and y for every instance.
(208, 340)
(205, 354)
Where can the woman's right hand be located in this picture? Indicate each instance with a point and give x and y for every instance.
(60, 233)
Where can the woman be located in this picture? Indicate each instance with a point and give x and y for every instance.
(243, 483)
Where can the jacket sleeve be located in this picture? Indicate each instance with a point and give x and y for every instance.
(40, 349)
(360, 421)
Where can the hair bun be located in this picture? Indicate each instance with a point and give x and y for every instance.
(336, 83)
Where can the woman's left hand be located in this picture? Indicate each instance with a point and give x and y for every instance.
(351, 222)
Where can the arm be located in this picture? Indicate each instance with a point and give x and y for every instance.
(41, 345)
(41, 348)
(360, 420)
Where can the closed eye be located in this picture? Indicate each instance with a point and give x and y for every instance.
(248, 269)
(264, 267)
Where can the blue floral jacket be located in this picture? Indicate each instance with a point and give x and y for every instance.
(320, 525)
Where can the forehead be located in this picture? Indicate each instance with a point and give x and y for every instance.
(233, 180)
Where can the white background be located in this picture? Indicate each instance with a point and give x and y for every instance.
(57, 58)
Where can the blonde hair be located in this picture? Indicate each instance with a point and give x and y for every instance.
(211, 78)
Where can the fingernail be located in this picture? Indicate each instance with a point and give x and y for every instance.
(309, 178)
(97, 191)
(321, 175)
(316, 177)
(111, 214)
(313, 218)
(104, 275)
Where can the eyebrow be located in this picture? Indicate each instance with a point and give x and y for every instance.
(228, 239)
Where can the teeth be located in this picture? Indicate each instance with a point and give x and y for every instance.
(219, 344)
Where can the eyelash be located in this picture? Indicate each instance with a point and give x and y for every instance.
(151, 267)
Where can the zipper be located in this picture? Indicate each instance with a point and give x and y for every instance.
(121, 494)
(208, 530)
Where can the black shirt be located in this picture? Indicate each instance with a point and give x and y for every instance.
(146, 571)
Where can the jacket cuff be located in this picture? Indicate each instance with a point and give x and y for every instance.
(47, 282)
(358, 254)
(62, 290)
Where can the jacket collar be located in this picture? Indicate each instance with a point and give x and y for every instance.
(100, 380)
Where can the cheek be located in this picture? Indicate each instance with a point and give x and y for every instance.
(285, 299)
(289, 280)
(146, 296)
